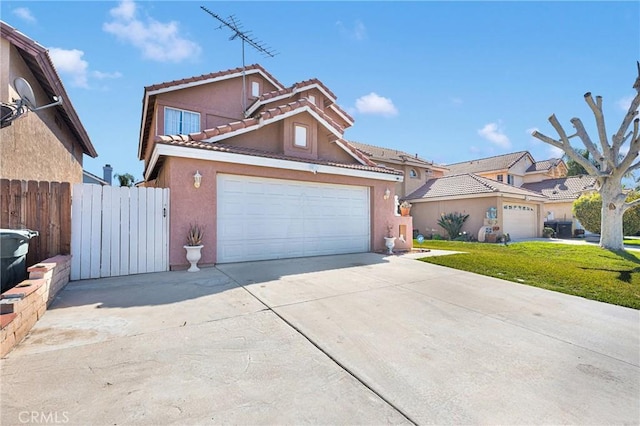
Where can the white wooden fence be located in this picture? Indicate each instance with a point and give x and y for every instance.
(118, 231)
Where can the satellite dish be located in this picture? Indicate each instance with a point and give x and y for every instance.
(27, 101)
(25, 92)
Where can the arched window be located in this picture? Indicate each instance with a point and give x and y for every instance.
(413, 173)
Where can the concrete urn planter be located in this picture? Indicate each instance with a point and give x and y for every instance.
(193, 256)
(390, 243)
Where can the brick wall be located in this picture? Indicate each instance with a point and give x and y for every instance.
(22, 306)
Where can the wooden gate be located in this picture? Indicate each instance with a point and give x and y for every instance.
(118, 231)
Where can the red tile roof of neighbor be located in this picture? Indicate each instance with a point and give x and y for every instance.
(540, 166)
(377, 153)
(40, 64)
(498, 162)
(466, 184)
(185, 141)
(566, 188)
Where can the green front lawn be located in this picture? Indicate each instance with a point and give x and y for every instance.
(632, 241)
(582, 270)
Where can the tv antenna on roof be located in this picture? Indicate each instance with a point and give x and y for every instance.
(236, 27)
(25, 102)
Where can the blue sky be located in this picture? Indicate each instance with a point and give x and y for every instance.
(450, 81)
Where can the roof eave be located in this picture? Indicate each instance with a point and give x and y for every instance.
(52, 83)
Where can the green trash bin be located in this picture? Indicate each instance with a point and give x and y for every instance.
(14, 246)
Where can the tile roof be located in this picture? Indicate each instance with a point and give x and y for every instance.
(377, 153)
(566, 188)
(498, 162)
(466, 184)
(149, 97)
(40, 64)
(211, 76)
(269, 97)
(186, 142)
(540, 166)
(232, 127)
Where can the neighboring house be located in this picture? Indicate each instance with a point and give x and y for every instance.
(561, 193)
(45, 145)
(517, 211)
(514, 168)
(277, 178)
(417, 171)
(509, 187)
(107, 176)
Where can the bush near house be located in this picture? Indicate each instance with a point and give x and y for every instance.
(452, 223)
(588, 208)
(586, 271)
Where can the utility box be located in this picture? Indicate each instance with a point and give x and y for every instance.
(14, 246)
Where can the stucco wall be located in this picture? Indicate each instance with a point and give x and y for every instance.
(218, 103)
(38, 145)
(189, 205)
(562, 211)
(426, 214)
(409, 184)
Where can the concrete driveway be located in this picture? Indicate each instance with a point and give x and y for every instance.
(352, 339)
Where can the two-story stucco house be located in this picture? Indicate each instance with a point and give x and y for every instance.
(46, 145)
(276, 177)
(417, 171)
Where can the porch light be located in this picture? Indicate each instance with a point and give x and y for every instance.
(387, 194)
(197, 178)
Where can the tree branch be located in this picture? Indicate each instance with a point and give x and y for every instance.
(626, 122)
(634, 167)
(631, 112)
(564, 145)
(630, 204)
(593, 150)
(602, 130)
(634, 148)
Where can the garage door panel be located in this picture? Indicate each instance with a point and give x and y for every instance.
(520, 220)
(261, 218)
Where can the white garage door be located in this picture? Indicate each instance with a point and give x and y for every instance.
(520, 220)
(260, 218)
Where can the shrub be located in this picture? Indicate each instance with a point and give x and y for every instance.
(548, 232)
(452, 223)
(588, 209)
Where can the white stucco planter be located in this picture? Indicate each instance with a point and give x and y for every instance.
(390, 243)
(193, 256)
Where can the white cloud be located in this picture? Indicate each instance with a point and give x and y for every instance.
(494, 134)
(158, 41)
(70, 62)
(24, 13)
(375, 104)
(106, 75)
(625, 103)
(358, 32)
(555, 152)
(531, 130)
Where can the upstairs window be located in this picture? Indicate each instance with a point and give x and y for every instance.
(179, 122)
(300, 135)
(413, 173)
(510, 179)
(500, 178)
(255, 89)
(312, 99)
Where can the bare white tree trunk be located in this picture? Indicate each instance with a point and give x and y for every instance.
(610, 165)
(613, 201)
